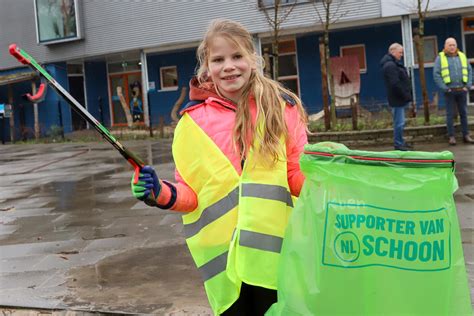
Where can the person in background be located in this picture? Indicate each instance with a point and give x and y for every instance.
(452, 74)
(236, 150)
(399, 94)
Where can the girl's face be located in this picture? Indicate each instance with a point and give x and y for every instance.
(228, 68)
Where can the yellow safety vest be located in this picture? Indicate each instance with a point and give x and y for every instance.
(236, 232)
(445, 67)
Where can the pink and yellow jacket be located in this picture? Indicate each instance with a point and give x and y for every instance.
(216, 116)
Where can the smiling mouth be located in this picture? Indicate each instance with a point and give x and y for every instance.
(231, 77)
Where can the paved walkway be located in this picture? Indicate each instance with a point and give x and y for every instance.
(72, 236)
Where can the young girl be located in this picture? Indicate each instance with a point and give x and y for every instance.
(236, 150)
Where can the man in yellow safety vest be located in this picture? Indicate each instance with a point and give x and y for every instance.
(453, 75)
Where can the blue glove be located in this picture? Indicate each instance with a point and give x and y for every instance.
(147, 187)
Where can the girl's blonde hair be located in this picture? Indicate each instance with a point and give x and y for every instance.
(268, 94)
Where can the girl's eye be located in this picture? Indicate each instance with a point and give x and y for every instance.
(216, 59)
(238, 56)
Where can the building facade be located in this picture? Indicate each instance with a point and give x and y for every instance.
(126, 54)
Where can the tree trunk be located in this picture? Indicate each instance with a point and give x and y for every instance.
(324, 84)
(332, 108)
(421, 64)
(275, 54)
(275, 48)
(354, 108)
(35, 112)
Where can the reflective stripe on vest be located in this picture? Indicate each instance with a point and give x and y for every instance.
(269, 192)
(212, 213)
(264, 207)
(260, 241)
(445, 67)
(237, 230)
(214, 267)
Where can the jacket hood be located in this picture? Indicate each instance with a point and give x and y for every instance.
(387, 58)
(204, 93)
(200, 92)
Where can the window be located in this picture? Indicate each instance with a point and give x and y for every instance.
(124, 66)
(469, 24)
(469, 37)
(469, 40)
(287, 64)
(430, 46)
(57, 21)
(357, 50)
(468, 30)
(169, 78)
(74, 69)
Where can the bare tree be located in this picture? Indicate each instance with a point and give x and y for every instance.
(324, 84)
(329, 13)
(419, 44)
(275, 16)
(421, 9)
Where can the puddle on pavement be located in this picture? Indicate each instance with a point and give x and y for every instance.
(141, 281)
(70, 206)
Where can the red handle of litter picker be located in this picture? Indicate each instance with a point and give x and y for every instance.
(151, 198)
(14, 51)
(38, 95)
(137, 168)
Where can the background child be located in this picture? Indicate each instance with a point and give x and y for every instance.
(236, 150)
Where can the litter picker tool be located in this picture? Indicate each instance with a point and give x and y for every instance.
(26, 59)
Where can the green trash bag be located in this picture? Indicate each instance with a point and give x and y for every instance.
(373, 233)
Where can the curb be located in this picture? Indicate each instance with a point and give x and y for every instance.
(416, 134)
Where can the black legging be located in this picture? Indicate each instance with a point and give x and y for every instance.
(253, 301)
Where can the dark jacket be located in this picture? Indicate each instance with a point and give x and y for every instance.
(397, 82)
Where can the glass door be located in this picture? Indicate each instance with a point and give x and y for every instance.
(127, 99)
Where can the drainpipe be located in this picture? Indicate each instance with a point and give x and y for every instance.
(144, 68)
(408, 53)
(84, 85)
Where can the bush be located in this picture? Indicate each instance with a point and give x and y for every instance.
(55, 132)
(374, 121)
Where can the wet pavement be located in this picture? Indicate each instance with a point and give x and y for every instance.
(72, 237)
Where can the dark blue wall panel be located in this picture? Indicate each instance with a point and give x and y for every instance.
(309, 68)
(161, 102)
(54, 110)
(97, 91)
